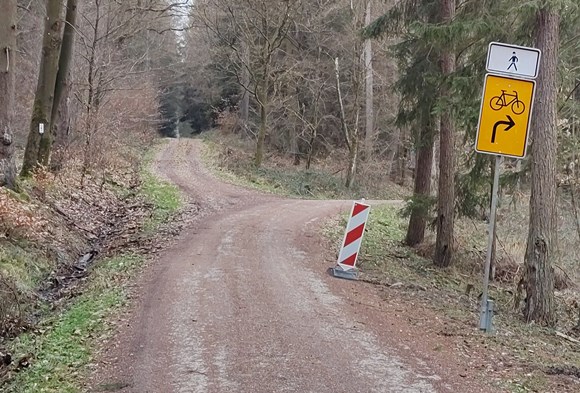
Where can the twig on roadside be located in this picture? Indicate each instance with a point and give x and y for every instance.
(566, 337)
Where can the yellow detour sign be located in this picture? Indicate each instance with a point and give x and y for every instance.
(505, 116)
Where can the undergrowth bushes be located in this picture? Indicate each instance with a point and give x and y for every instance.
(54, 218)
(107, 215)
(232, 157)
(17, 217)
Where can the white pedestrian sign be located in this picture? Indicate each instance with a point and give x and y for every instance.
(513, 60)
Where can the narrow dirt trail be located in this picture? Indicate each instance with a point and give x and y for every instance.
(240, 304)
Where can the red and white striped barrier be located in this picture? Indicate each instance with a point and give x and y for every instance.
(353, 237)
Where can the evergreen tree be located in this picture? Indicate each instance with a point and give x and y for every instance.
(418, 85)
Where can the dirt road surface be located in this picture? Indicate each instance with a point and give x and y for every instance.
(243, 303)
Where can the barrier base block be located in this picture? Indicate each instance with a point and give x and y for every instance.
(351, 274)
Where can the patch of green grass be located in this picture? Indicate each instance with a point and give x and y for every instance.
(382, 239)
(532, 382)
(383, 252)
(312, 184)
(300, 183)
(165, 198)
(62, 347)
(272, 180)
(385, 229)
(23, 265)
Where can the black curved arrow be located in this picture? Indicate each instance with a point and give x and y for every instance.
(509, 123)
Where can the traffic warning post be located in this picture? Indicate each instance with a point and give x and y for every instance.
(346, 265)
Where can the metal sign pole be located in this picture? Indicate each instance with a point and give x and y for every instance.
(486, 305)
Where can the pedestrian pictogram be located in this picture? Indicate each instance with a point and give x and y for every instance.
(505, 116)
(514, 60)
(346, 265)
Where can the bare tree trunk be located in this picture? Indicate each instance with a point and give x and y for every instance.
(435, 172)
(398, 175)
(311, 147)
(446, 192)
(422, 189)
(61, 129)
(574, 181)
(541, 248)
(392, 151)
(263, 103)
(293, 142)
(350, 134)
(59, 114)
(369, 115)
(352, 160)
(245, 80)
(91, 104)
(43, 99)
(7, 89)
(402, 165)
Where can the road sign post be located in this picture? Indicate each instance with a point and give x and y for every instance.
(346, 264)
(485, 322)
(504, 121)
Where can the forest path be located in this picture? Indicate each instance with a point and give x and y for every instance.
(242, 303)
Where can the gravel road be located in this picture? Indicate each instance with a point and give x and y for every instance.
(241, 304)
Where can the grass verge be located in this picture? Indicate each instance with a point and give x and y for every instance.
(60, 349)
(56, 356)
(165, 198)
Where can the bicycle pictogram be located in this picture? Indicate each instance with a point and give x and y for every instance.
(506, 99)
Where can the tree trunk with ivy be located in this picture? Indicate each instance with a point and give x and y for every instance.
(541, 247)
(7, 89)
(43, 99)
